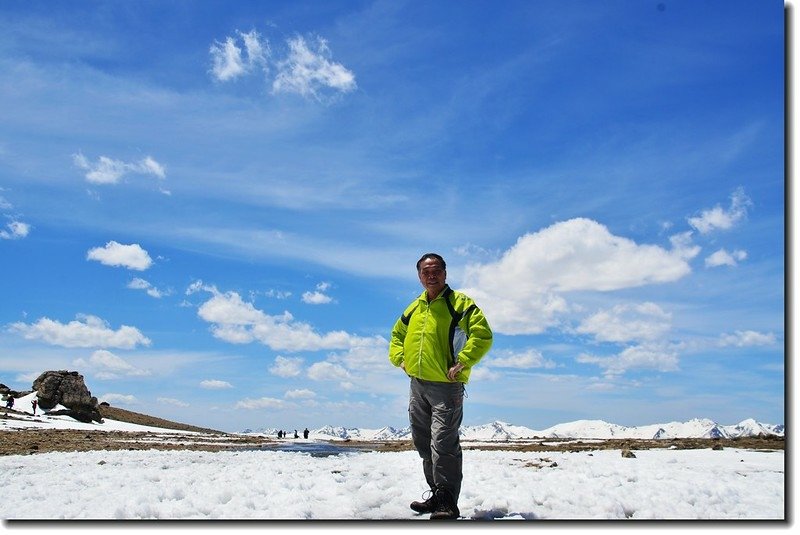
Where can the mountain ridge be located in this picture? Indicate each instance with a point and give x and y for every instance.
(579, 429)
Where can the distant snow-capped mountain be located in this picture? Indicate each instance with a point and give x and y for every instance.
(352, 433)
(580, 429)
(695, 428)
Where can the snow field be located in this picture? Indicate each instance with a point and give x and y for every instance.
(658, 484)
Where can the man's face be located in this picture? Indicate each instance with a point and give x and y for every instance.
(432, 276)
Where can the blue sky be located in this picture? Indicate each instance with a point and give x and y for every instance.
(212, 210)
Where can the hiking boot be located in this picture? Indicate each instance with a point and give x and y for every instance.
(427, 506)
(446, 508)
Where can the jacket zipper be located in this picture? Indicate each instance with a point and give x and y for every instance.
(422, 338)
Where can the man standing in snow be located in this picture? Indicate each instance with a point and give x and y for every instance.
(437, 340)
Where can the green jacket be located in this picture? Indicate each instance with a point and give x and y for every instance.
(429, 337)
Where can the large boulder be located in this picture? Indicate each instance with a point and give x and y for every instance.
(68, 389)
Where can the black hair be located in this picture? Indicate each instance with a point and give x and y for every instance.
(435, 257)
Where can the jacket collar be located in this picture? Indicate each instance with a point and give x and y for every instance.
(424, 295)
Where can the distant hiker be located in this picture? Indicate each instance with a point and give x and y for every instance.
(295, 434)
(10, 402)
(280, 433)
(34, 403)
(305, 433)
(446, 334)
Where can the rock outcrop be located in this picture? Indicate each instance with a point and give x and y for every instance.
(68, 389)
(6, 391)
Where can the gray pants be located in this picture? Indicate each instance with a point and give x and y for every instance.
(435, 411)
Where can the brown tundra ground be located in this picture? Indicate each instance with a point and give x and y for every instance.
(30, 441)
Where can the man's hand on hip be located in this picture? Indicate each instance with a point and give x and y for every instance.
(452, 372)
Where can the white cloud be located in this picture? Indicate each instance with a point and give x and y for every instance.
(106, 365)
(316, 298)
(105, 171)
(646, 356)
(327, 371)
(198, 286)
(683, 246)
(470, 250)
(286, 366)
(261, 403)
(141, 284)
(485, 373)
(720, 218)
(239, 322)
(124, 399)
(522, 292)
(300, 394)
(278, 294)
(85, 331)
(172, 401)
(528, 358)
(151, 167)
(306, 71)
(624, 323)
(747, 339)
(228, 62)
(138, 284)
(28, 377)
(15, 230)
(215, 384)
(367, 355)
(109, 171)
(724, 258)
(119, 255)
(257, 48)
(362, 367)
